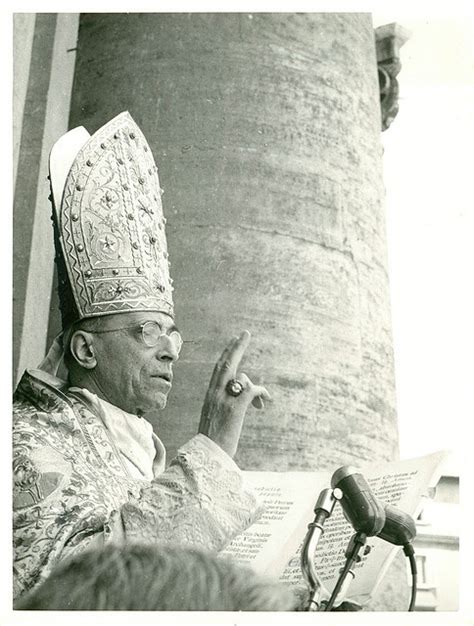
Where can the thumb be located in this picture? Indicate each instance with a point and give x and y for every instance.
(261, 395)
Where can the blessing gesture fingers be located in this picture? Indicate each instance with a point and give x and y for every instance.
(229, 394)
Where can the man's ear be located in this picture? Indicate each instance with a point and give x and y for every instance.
(82, 349)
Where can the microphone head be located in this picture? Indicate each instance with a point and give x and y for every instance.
(341, 473)
(399, 527)
(361, 507)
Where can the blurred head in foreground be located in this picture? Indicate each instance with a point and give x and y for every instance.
(155, 578)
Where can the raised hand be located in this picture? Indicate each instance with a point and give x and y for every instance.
(229, 394)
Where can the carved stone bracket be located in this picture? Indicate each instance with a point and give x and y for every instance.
(388, 41)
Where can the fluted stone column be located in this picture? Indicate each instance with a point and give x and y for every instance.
(266, 131)
(44, 45)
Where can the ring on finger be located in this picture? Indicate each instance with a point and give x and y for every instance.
(234, 387)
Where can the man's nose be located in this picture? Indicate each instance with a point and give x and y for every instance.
(167, 350)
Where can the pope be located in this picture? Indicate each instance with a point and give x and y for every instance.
(88, 470)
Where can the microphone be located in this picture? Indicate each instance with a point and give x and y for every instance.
(399, 527)
(360, 506)
(370, 517)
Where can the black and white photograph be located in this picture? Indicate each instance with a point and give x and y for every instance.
(239, 298)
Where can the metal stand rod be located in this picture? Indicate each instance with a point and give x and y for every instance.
(356, 543)
(322, 509)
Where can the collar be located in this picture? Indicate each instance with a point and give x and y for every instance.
(133, 436)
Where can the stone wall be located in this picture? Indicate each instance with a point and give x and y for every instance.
(44, 54)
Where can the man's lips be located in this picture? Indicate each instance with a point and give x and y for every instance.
(166, 377)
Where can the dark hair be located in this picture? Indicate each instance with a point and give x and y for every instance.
(139, 577)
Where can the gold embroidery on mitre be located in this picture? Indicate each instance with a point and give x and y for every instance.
(111, 225)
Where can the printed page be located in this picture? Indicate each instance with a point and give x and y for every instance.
(403, 484)
(289, 499)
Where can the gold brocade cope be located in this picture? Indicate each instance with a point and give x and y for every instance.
(110, 225)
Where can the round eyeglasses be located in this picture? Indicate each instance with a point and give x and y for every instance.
(151, 333)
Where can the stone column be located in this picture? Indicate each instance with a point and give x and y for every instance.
(266, 132)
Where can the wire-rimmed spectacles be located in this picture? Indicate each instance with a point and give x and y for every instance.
(151, 332)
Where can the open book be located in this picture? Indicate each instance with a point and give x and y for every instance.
(273, 544)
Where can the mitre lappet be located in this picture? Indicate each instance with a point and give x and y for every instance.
(109, 227)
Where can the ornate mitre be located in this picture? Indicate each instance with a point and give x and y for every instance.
(110, 237)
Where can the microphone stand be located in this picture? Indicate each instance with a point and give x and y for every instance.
(369, 517)
(323, 509)
(356, 543)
